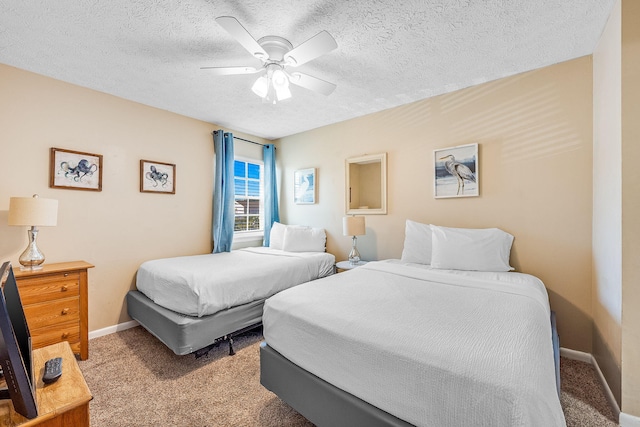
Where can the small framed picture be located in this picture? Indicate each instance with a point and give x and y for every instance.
(456, 171)
(157, 177)
(75, 170)
(304, 186)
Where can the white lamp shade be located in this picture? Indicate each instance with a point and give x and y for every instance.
(33, 211)
(353, 226)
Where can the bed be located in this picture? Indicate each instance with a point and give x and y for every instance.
(400, 342)
(191, 303)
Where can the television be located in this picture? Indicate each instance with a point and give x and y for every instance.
(15, 348)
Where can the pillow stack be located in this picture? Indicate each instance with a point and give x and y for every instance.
(485, 249)
(297, 238)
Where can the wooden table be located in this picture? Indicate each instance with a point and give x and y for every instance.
(64, 403)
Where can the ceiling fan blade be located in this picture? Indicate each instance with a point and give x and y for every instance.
(227, 71)
(243, 37)
(316, 46)
(312, 83)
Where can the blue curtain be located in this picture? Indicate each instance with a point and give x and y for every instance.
(223, 192)
(271, 213)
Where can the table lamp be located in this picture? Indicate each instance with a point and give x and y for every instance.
(353, 226)
(33, 212)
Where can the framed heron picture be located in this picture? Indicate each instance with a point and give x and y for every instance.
(157, 177)
(304, 186)
(75, 170)
(456, 172)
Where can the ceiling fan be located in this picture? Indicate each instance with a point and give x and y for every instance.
(277, 54)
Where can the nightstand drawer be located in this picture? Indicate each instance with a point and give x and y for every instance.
(64, 332)
(52, 313)
(49, 288)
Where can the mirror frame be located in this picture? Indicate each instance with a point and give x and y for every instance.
(368, 158)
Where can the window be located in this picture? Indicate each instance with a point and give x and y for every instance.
(248, 201)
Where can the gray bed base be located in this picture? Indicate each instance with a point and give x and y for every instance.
(326, 405)
(187, 334)
(318, 401)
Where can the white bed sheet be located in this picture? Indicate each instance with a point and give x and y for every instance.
(200, 285)
(431, 347)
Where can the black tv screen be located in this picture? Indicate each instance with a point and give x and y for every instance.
(15, 347)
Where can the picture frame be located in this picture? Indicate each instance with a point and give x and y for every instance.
(75, 170)
(304, 186)
(157, 177)
(456, 172)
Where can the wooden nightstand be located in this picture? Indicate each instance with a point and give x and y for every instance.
(346, 265)
(56, 304)
(63, 403)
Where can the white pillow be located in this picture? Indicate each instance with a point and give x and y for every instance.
(470, 249)
(276, 237)
(417, 243)
(304, 239)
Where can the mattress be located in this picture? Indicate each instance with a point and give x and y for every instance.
(202, 285)
(430, 347)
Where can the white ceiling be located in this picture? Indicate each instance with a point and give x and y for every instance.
(390, 52)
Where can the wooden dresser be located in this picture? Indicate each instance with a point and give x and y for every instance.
(64, 403)
(56, 304)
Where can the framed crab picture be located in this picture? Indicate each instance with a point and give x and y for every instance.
(456, 171)
(157, 177)
(75, 170)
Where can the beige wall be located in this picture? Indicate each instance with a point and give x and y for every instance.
(607, 203)
(118, 228)
(631, 208)
(534, 131)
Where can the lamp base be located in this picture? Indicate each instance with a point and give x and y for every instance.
(32, 257)
(354, 255)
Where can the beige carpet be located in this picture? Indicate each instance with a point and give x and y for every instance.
(137, 381)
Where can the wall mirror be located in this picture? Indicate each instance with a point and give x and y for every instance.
(366, 184)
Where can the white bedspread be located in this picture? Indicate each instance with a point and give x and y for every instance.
(205, 284)
(432, 347)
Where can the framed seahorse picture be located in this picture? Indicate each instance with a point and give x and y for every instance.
(75, 170)
(456, 171)
(157, 177)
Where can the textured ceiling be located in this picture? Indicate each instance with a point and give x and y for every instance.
(389, 52)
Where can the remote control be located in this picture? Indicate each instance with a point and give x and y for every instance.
(52, 370)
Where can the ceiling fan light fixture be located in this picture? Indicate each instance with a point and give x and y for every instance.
(261, 86)
(279, 79)
(273, 85)
(283, 93)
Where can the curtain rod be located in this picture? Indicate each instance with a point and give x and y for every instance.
(245, 140)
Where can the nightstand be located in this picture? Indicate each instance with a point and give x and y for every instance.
(56, 304)
(346, 265)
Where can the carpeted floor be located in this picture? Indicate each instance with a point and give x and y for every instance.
(137, 381)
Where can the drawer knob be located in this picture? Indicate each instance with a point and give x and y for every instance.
(65, 335)
(66, 274)
(63, 288)
(65, 311)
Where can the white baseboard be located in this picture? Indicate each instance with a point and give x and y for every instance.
(576, 355)
(588, 358)
(627, 420)
(113, 329)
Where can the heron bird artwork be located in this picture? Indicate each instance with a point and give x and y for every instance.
(304, 186)
(456, 171)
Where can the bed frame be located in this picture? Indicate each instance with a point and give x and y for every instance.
(189, 334)
(326, 405)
